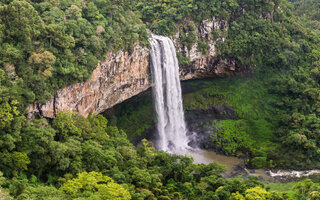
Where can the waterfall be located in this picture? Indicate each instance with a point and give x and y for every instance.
(171, 125)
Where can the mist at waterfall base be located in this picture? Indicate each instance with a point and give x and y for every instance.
(173, 136)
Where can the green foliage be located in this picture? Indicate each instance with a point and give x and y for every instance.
(244, 113)
(136, 117)
(117, 170)
(65, 124)
(256, 193)
(94, 185)
(41, 192)
(42, 62)
(308, 12)
(7, 113)
(54, 43)
(232, 137)
(203, 46)
(122, 170)
(48, 44)
(182, 59)
(307, 190)
(259, 162)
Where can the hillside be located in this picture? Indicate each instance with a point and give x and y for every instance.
(49, 44)
(308, 11)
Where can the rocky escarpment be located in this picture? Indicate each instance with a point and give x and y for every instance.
(119, 77)
(123, 75)
(204, 64)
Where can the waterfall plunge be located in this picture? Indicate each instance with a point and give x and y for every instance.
(167, 95)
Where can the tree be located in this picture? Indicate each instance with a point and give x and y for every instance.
(8, 111)
(95, 158)
(307, 188)
(22, 21)
(255, 193)
(13, 163)
(56, 35)
(20, 161)
(41, 192)
(65, 124)
(94, 185)
(42, 62)
(36, 141)
(4, 194)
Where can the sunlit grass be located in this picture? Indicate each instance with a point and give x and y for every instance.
(248, 97)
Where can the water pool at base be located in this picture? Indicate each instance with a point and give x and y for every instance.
(206, 157)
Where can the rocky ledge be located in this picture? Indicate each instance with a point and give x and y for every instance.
(123, 75)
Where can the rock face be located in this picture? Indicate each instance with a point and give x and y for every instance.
(204, 65)
(122, 75)
(119, 77)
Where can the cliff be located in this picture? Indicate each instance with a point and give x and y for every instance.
(204, 65)
(123, 75)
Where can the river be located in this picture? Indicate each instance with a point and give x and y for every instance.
(235, 166)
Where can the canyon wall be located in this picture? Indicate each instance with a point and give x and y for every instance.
(123, 75)
(119, 77)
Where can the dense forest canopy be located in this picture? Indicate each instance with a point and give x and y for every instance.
(48, 44)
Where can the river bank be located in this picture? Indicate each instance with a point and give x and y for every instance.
(236, 167)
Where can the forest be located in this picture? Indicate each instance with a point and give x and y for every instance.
(49, 44)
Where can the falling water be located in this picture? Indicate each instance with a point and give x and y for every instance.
(167, 95)
(171, 125)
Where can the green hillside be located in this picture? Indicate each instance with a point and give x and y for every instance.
(48, 44)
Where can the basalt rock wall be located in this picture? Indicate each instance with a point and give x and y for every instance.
(119, 77)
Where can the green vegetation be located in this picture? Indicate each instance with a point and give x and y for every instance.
(305, 189)
(81, 158)
(47, 44)
(94, 185)
(163, 17)
(289, 58)
(135, 116)
(252, 133)
(282, 187)
(308, 11)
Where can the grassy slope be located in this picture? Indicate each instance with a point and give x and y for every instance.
(251, 103)
(282, 188)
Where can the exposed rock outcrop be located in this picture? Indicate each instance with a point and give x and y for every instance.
(119, 77)
(204, 65)
(122, 75)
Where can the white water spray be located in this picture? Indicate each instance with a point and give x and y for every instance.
(167, 95)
